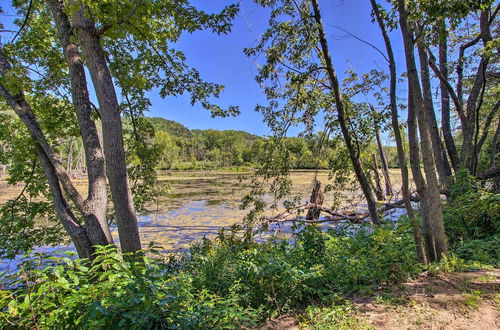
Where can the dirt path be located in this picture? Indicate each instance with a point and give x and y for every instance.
(469, 300)
(447, 301)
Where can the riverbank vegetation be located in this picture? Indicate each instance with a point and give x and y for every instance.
(233, 282)
(75, 81)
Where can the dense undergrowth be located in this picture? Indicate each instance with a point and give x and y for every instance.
(230, 283)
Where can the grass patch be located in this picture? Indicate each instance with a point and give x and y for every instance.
(485, 279)
(472, 299)
(339, 317)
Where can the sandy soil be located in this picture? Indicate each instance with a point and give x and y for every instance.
(447, 301)
(456, 301)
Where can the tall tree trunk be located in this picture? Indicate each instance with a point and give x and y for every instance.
(474, 101)
(114, 151)
(495, 146)
(469, 128)
(383, 159)
(342, 117)
(379, 193)
(433, 217)
(76, 232)
(405, 186)
(445, 99)
(442, 165)
(23, 110)
(96, 204)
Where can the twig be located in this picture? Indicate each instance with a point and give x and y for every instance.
(28, 13)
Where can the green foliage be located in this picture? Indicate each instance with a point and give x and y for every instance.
(485, 250)
(110, 292)
(472, 220)
(226, 283)
(282, 276)
(471, 212)
(339, 317)
(184, 149)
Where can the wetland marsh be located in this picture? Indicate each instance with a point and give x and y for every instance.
(199, 203)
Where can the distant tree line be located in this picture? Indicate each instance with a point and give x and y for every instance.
(181, 148)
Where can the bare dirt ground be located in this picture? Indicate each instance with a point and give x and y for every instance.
(469, 300)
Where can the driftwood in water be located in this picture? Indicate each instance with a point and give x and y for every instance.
(317, 199)
(333, 216)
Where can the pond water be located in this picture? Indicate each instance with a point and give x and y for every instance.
(199, 203)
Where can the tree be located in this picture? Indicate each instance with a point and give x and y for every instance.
(402, 159)
(475, 84)
(108, 53)
(297, 52)
(428, 187)
(54, 172)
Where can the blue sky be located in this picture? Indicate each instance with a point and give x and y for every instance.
(220, 59)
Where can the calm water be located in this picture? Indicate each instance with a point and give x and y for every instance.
(199, 204)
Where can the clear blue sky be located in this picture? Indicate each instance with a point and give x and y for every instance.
(220, 59)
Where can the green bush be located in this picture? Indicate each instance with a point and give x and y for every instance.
(486, 251)
(225, 283)
(281, 276)
(111, 293)
(471, 212)
(472, 221)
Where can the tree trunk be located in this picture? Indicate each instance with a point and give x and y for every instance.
(379, 193)
(468, 158)
(96, 204)
(114, 151)
(442, 165)
(433, 217)
(76, 232)
(383, 159)
(342, 117)
(317, 198)
(405, 189)
(445, 100)
(495, 146)
(54, 172)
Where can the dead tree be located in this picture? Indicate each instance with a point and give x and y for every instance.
(317, 199)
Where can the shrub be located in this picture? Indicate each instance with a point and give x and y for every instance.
(225, 283)
(111, 292)
(471, 212)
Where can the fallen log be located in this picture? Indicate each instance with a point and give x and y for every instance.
(334, 216)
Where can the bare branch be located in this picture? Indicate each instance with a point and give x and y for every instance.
(456, 100)
(25, 21)
(362, 40)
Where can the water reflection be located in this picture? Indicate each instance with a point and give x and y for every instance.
(200, 203)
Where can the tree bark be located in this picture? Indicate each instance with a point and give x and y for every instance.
(342, 118)
(76, 232)
(495, 146)
(112, 131)
(96, 204)
(54, 172)
(442, 165)
(379, 192)
(445, 99)
(383, 159)
(317, 198)
(405, 189)
(433, 217)
(469, 113)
